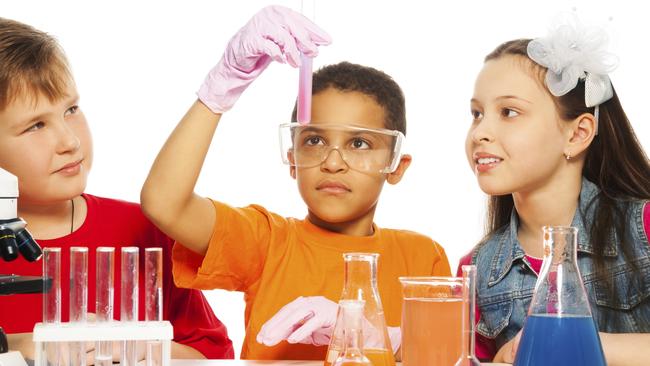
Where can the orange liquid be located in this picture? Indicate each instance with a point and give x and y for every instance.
(431, 332)
(378, 357)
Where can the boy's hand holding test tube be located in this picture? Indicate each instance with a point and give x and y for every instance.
(253, 48)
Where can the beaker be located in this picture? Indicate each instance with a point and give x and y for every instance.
(352, 318)
(559, 329)
(431, 320)
(360, 283)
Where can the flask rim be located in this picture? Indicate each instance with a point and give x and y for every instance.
(360, 256)
(560, 229)
(428, 280)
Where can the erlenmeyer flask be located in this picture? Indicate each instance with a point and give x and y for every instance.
(352, 319)
(559, 329)
(361, 284)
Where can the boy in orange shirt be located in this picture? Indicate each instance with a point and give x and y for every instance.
(357, 111)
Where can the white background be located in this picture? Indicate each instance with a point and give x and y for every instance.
(138, 64)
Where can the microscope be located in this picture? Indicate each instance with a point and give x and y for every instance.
(15, 240)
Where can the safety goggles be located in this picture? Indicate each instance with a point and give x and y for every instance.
(362, 149)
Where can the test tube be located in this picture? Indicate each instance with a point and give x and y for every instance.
(51, 302)
(104, 259)
(78, 300)
(153, 277)
(153, 274)
(304, 90)
(307, 7)
(467, 356)
(129, 301)
(52, 298)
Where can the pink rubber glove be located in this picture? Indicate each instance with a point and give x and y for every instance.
(308, 320)
(311, 320)
(275, 33)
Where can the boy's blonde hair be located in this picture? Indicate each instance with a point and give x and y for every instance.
(32, 64)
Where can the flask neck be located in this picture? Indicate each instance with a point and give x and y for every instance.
(360, 275)
(559, 289)
(560, 256)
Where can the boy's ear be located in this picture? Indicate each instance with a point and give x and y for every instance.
(292, 167)
(582, 133)
(396, 176)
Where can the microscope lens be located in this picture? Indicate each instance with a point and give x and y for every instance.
(8, 247)
(28, 246)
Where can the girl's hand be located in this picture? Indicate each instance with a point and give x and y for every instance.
(508, 351)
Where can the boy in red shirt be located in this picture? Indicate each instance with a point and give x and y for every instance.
(45, 142)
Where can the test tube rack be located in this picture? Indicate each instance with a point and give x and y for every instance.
(153, 333)
(109, 331)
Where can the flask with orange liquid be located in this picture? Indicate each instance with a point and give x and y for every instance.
(361, 284)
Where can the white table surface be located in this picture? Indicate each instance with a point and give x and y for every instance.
(260, 363)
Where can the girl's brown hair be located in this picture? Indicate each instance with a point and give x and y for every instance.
(615, 162)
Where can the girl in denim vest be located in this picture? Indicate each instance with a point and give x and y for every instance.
(551, 145)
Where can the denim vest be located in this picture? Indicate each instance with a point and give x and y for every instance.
(505, 280)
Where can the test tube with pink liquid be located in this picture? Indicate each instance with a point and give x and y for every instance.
(305, 76)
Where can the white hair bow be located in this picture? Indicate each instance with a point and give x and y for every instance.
(573, 52)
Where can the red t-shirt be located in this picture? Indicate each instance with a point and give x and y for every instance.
(486, 348)
(117, 224)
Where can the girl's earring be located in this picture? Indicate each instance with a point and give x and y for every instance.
(568, 156)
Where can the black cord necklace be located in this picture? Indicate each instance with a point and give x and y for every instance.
(72, 217)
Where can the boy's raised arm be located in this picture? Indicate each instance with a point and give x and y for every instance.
(167, 197)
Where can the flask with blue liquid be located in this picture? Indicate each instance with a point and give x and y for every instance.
(559, 329)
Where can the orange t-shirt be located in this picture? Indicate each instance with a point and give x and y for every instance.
(274, 260)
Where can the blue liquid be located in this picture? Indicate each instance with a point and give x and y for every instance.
(553, 340)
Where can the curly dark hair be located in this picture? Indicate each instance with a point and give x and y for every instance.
(349, 77)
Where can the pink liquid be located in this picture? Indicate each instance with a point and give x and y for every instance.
(304, 90)
(431, 331)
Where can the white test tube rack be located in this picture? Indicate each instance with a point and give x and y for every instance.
(54, 332)
(109, 331)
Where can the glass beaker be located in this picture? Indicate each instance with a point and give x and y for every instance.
(431, 320)
(352, 318)
(360, 283)
(559, 329)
